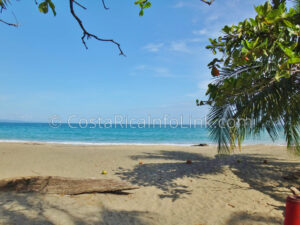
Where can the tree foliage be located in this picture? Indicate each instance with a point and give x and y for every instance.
(44, 6)
(257, 77)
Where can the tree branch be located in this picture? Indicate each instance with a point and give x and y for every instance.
(88, 35)
(9, 24)
(77, 3)
(207, 2)
(103, 2)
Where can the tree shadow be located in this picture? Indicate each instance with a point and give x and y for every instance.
(250, 168)
(110, 217)
(246, 218)
(267, 177)
(30, 209)
(164, 175)
(13, 209)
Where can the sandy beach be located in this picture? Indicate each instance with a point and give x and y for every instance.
(234, 190)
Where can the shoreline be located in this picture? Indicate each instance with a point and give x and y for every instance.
(80, 143)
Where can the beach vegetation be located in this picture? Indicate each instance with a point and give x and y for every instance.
(256, 75)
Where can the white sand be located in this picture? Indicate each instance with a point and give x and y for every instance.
(234, 190)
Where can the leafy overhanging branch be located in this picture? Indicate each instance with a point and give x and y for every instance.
(257, 78)
(46, 4)
(274, 108)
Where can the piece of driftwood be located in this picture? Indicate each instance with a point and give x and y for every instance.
(63, 185)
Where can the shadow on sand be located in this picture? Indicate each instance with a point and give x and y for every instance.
(33, 209)
(250, 219)
(264, 177)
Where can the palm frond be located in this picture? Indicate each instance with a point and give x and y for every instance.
(273, 107)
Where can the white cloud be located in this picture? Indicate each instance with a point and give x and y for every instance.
(213, 32)
(184, 46)
(151, 47)
(180, 5)
(195, 40)
(140, 67)
(200, 32)
(161, 70)
(187, 4)
(220, 13)
(212, 17)
(180, 46)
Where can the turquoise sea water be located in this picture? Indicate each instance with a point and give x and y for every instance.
(117, 134)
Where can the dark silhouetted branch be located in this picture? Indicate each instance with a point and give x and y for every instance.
(88, 35)
(9, 24)
(103, 2)
(207, 2)
(77, 3)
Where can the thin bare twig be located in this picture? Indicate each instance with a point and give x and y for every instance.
(77, 3)
(207, 2)
(88, 35)
(9, 24)
(103, 2)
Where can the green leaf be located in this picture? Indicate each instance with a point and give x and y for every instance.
(277, 76)
(294, 60)
(226, 29)
(288, 23)
(259, 10)
(256, 41)
(286, 50)
(52, 6)
(247, 44)
(43, 7)
(244, 50)
(147, 5)
(139, 2)
(253, 22)
(141, 13)
(274, 14)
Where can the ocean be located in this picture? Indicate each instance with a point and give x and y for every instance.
(114, 134)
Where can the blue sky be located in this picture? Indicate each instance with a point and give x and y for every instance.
(45, 70)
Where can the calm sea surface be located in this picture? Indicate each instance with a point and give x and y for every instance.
(117, 134)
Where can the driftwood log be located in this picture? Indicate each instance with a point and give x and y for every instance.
(63, 185)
